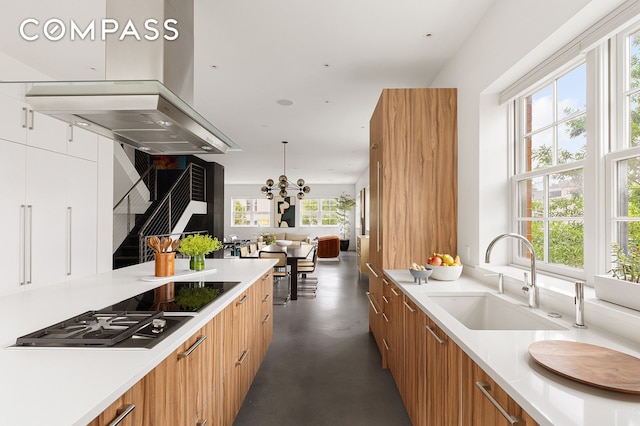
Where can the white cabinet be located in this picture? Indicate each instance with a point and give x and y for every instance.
(13, 115)
(82, 143)
(12, 212)
(82, 216)
(46, 132)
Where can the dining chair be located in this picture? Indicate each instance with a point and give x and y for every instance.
(308, 286)
(279, 269)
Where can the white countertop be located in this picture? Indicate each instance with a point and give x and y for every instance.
(71, 386)
(549, 398)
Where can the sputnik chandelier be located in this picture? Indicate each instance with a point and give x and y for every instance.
(284, 183)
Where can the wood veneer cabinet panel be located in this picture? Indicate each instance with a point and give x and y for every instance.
(414, 362)
(133, 397)
(413, 176)
(442, 391)
(477, 408)
(393, 323)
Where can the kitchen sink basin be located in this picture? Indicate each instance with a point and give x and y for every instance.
(490, 312)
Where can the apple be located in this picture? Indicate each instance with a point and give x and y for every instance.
(435, 261)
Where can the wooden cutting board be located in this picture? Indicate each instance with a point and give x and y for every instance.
(589, 364)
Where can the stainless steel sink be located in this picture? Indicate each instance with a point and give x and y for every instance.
(490, 312)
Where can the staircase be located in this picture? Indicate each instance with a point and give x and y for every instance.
(161, 218)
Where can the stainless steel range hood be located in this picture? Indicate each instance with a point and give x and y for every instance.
(144, 100)
(143, 114)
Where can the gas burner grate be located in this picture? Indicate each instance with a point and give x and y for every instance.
(93, 328)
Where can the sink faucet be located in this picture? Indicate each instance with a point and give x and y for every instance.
(532, 288)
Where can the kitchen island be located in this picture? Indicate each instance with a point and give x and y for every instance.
(503, 355)
(71, 386)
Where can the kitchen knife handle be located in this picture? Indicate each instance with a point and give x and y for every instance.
(122, 414)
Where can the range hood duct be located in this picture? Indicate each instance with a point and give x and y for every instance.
(144, 99)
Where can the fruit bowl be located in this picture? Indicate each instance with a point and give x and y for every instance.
(419, 275)
(446, 273)
(283, 243)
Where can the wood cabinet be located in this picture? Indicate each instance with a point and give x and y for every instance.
(362, 251)
(128, 410)
(413, 183)
(393, 331)
(413, 176)
(207, 378)
(413, 393)
(484, 402)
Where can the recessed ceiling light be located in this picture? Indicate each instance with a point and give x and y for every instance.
(206, 147)
(427, 35)
(148, 122)
(144, 148)
(165, 123)
(81, 124)
(284, 102)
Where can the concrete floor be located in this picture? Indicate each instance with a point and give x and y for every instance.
(323, 367)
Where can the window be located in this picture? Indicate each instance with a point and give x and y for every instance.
(318, 212)
(624, 161)
(551, 143)
(251, 212)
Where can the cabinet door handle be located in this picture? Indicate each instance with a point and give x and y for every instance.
(385, 281)
(386, 346)
(192, 347)
(266, 319)
(244, 299)
(33, 120)
(29, 251)
(433, 333)
(408, 307)
(23, 244)
(386, 318)
(69, 238)
(70, 132)
(372, 270)
(378, 208)
(202, 423)
(122, 414)
(243, 357)
(393, 290)
(485, 388)
(385, 299)
(26, 117)
(373, 305)
(266, 297)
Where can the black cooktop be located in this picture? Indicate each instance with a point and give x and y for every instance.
(177, 296)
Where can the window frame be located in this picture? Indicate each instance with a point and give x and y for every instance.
(319, 213)
(252, 213)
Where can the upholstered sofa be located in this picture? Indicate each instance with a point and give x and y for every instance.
(300, 238)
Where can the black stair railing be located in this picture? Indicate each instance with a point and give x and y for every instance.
(190, 186)
(133, 203)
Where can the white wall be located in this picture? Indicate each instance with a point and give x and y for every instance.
(511, 39)
(253, 191)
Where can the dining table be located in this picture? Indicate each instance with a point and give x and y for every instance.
(294, 253)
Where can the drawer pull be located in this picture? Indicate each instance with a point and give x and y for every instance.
(243, 357)
(266, 319)
(384, 342)
(385, 299)
(433, 333)
(202, 423)
(386, 282)
(266, 297)
(244, 299)
(122, 414)
(372, 270)
(393, 290)
(193, 347)
(408, 307)
(485, 388)
(373, 305)
(386, 318)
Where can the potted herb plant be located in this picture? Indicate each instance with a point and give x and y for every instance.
(197, 246)
(622, 286)
(344, 205)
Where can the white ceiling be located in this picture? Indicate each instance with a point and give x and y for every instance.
(331, 58)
